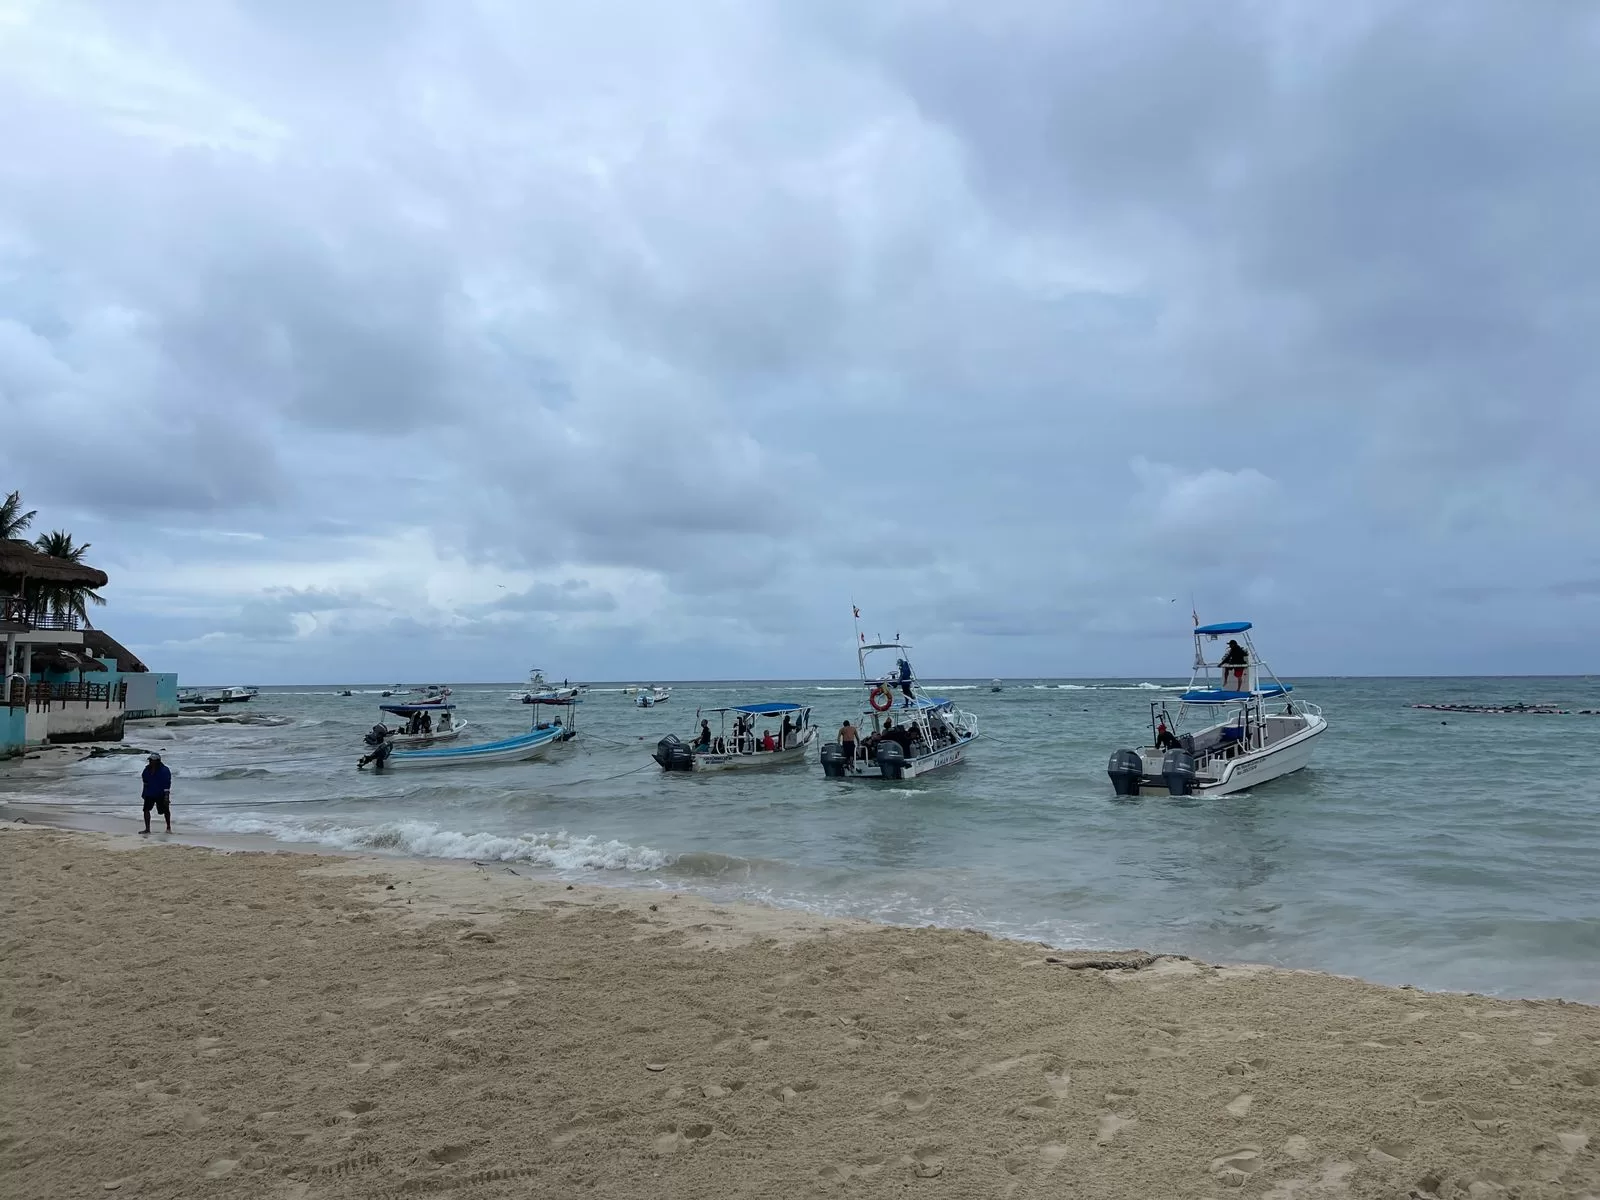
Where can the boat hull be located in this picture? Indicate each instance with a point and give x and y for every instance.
(761, 760)
(1246, 772)
(518, 749)
(909, 768)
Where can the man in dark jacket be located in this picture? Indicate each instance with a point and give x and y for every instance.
(157, 780)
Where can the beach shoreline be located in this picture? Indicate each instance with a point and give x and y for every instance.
(188, 1021)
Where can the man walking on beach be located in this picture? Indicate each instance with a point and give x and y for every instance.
(157, 779)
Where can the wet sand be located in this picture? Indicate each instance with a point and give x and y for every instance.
(192, 1022)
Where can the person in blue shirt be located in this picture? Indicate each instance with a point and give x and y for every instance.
(157, 780)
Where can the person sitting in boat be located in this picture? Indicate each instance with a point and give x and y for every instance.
(427, 723)
(1233, 663)
(768, 742)
(444, 722)
(702, 742)
(1165, 738)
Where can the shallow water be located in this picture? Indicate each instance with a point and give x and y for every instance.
(1443, 850)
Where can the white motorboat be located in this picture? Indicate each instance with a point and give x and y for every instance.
(1244, 727)
(423, 724)
(747, 746)
(541, 691)
(649, 697)
(538, 741)
(996, 686)
(912, 734)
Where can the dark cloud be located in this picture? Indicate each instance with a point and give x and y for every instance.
(689, 328)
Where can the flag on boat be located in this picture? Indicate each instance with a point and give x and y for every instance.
(857, 611)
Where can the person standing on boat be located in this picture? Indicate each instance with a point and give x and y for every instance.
(788, 730)
(156, 791)
(1236, 659)
(905, 678)
(847, 743)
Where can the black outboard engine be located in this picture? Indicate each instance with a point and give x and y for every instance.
(376, 735)
(1177, 772)
(1126, 770)
(891, 759)
(833, 763)
(673, 755)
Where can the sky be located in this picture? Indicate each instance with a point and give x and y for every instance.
(436, 339)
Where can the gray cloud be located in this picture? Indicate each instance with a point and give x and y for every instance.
(688, 328)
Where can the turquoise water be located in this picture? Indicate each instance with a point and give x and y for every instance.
(1442, 850)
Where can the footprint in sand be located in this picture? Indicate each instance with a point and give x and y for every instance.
(925, 1162)
(1297, 1147)
(445, 1155)
(1059, 1084)
(221, 1167)
(209, 1047)
(1542, 1038)
(568, 1130)
(1486, 1120)
(1388, 1152)
(1586, 1078)
(1468, 1036)
(909, 1102)
(720, 1091)
(786, 1092)
(1039, 1106)
(1239, 1106)
(1234, 1169)
(1246, 1066)
(670, 1139)
(862, 1168)
(983, 1070)
(1110, 1125)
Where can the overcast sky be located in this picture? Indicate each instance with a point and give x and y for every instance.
(400, 339)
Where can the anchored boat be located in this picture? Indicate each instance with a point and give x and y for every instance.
(541, 691)
(422, 724)
(912, 734)
(748, 746)
(1247, 729)
(536, 742)
(649, 697)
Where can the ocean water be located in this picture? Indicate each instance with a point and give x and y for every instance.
(1443, 850)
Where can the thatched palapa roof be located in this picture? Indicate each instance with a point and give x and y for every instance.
(20, 560)
(106, 646)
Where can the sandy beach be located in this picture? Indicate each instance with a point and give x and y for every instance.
(191, 1022)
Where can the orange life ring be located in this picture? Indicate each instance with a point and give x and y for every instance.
(881, 692)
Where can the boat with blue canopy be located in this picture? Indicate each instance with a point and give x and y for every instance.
(774, 734)
(1235, 729)
(911, 733)
(546, 733)
(420, 724)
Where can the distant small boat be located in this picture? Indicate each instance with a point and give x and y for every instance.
(541, 691)
(996, 686)
(346, 692)
(651, 696)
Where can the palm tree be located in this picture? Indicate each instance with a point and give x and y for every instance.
(13, 521)
(63, 599)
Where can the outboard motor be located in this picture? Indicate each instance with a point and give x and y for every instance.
(891, 759)
(833, 761)
(1177, 772)
(1126, 770)
(376, 735)
(673, 755)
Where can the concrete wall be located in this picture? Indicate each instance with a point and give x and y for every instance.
(13, 724)
(83, 721)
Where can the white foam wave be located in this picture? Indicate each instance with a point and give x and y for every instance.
(561, 850)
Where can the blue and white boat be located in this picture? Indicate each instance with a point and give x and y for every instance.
(749, 745)
(1243, 726)
(910, 734)
(541, 691)
(539, 740)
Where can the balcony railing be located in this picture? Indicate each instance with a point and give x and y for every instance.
(15, 611)
(42, 696)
